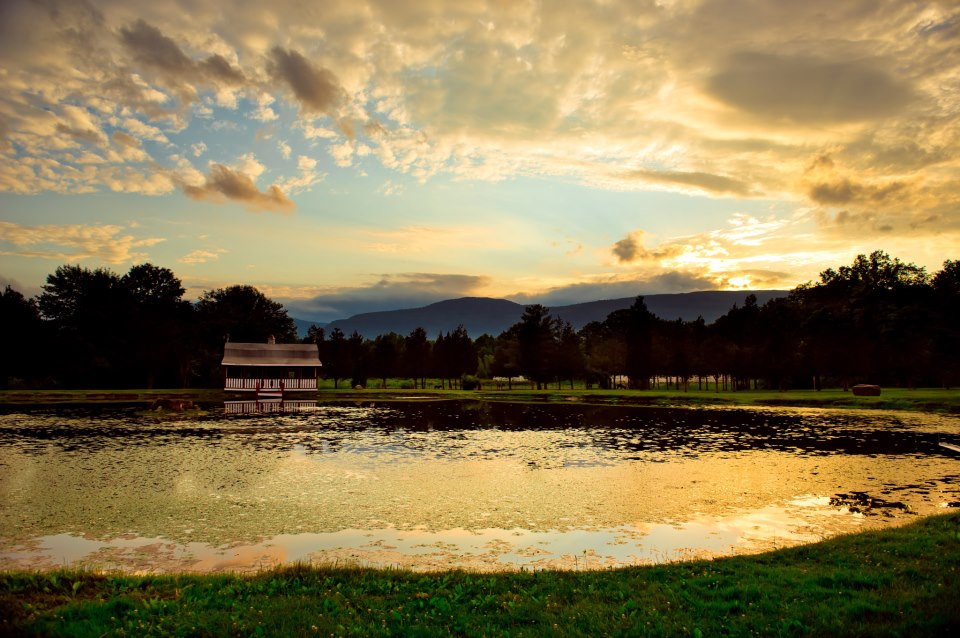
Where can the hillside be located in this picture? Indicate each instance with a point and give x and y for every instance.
(483, 315)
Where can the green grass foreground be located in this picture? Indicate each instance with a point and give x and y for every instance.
(902, 581)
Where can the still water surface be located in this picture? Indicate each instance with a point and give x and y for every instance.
(455, 484)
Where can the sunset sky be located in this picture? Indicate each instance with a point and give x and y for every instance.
(361, 155)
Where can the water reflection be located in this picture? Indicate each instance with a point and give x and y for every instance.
(481, 484)
(267, 406)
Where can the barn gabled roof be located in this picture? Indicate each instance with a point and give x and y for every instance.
(271, 354)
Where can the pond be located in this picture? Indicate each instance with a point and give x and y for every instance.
(437, 484)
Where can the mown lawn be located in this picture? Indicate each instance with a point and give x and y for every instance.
(901, 581)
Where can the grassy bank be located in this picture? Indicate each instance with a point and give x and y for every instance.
(927, 400)
(79, 397)
(897, 582)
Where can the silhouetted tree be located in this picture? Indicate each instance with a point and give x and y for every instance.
(453, 356)
(335, 357)
(778, 341)
(161, 340)
(486, 347)
(570, 361)
(946, 334)
(506, 354)
(317, 335)
(536, 344)
(240, 314)
(460, 355)
(740, 328)
(605, 350)
(246, 315)
(858, 317)
(387, 354)
(25, 347)
(359, 356)
(697, 335)
(673, 351)
(438, 358)
(416, 356)
(636, 324)
(85, 308)
(876, 320)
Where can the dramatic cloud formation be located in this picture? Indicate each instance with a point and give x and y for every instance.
(150, 48)
(752, 141)
(805, 90)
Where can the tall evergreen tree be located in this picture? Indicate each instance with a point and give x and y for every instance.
(570, 362)
(387, 355)
(638, 331)
(416, 356)
(536, 344)
(336, 358)
(461, 354)
(359, 356)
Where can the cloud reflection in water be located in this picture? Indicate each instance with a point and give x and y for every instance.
(427, 486)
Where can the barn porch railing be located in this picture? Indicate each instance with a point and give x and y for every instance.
(269, 385)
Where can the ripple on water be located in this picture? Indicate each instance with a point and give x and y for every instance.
(480, 485)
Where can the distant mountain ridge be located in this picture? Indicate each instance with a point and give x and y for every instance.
(485, 315)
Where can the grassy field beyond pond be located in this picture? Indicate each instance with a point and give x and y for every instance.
(897, 582)
(924, 399)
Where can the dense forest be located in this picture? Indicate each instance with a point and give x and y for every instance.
(878, 320)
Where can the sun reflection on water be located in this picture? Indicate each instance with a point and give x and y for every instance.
(429, 486)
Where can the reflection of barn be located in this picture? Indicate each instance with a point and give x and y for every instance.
(270, 369)
(267, 406)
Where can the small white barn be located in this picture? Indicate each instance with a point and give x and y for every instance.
(270, 369)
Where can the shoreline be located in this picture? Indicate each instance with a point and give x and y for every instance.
(903, 580)
(918, 400)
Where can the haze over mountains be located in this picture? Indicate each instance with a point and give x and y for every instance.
(483, 315)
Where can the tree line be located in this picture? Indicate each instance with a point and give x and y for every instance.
(878, 320)
(93, 328)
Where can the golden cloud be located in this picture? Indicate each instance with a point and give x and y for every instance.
(222, 183)
(630, 250)
(75, 242)
(722, 98)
